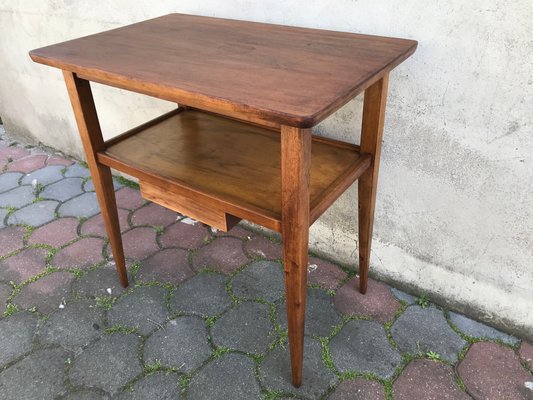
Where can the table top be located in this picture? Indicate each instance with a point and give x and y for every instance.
(255, 71)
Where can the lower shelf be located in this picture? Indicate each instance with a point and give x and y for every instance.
(216, 169)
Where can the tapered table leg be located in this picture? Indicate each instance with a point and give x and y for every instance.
(82, 101)
(371, 135)
(295, 178)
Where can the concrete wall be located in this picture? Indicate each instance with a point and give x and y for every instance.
(455, 204)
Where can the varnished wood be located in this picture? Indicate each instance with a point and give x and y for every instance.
(205, 212)
(230, 166)
(371, 136)
(296, 165)
(257, 72)
(91, 136)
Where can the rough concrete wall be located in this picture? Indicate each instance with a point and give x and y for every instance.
(455, 204)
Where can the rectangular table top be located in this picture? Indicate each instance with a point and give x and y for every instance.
(263, 72)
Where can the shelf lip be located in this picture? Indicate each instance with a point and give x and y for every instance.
(338, 175)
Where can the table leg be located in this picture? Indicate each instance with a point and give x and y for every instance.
(371, 135)
(295, 179)
(82, 101)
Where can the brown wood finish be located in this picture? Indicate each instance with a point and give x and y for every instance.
(252, 71)
(371, 137)
(91, 136)
(234, 165)
(295, 182)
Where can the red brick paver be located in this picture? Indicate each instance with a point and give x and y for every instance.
(81, 254)
(47, 293)
(262, 247)
(153, 214)
(378, 302)
(169, 266)
(129, 198)
(28, 164)
(185, 235)
(139, 243)
(95, 225)
(427, 380)
(56, 233)
(225, 254)
(24, 265)
(526, 353)
(12, 153)
(324, 274)
(56, 160)
(11, 239)
(358, 389)
(491, 371)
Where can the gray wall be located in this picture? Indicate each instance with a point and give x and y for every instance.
(455, 202)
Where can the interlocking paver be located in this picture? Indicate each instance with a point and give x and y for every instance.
(377, 303)
(320, 315)
(181, 343)
(260, 280)
(237, 373)
(81, 254)
(85, 395)
(28, 164)
(263, 247)
(78, 171)
(358, 389)
(363, 346)
(400, 295)
(324, 274)
(5, 293)
(427, 380)
(143, 309)
(100, 282)
(157, 386)
(205, 294)
(18, 197)
(139, 243)
(129, 198)
(3, 215)
(95, 225)
(492, 371)
(166, 266)
(44, 176)
(184, 235)
(73, 327)
(88, 186)
(84, 206)
(38, 376)
(11, 239)
(420, 330)
(246, 327)
(35, 214)
(63, 190)
(526, 353)
(47, 293)
(153, 214)
(24, 265)
(479, 330)
(224, 254)
(95, 368)
(56, 233)
(17, 332)
(12, 153)
(57, 160)
(275, 371)
(9, 180)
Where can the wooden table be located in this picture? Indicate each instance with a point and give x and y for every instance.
(239, 146)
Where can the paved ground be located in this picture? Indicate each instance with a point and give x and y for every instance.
(204, 315)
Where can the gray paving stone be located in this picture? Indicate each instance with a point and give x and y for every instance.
(181, 343)
(260, 280)
(5, 293)
(85, 206)
(409, 299)
(420, 330)
(275, 371)
(143, 309)
(228, 377)
(205, 294)
(35, 214)
(88, 186)
(77, 170)
(17, 332)
(44, 176)
(38, 376)
(320, 314)
(74, 326)
(18, 197)
(157, 386)
(363, 346)
(108, 364)
(85, 395)
(9, 180)
(479, 330)
(246, 327)
(99, 282)
(3, 214)
(63, 190)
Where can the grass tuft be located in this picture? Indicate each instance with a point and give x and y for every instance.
(126, 182)
(10, 310)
